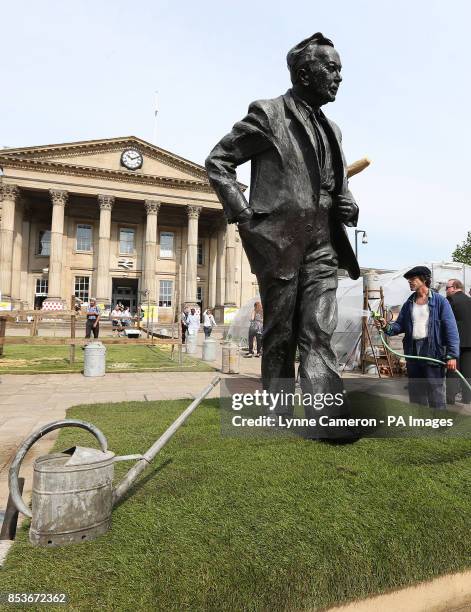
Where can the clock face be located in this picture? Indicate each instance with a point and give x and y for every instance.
(131, 159)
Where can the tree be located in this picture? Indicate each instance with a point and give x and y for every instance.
(462, 253)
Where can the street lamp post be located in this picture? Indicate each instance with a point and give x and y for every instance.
(363, 241)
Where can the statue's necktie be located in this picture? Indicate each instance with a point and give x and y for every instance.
(321, 153)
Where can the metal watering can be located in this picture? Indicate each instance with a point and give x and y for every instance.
(73, 495)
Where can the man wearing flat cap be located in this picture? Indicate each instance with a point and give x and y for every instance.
(293, 227)
(429, 327)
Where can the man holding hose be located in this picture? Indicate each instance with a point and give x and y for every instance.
(429, 327)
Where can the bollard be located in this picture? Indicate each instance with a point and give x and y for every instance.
(94, 360)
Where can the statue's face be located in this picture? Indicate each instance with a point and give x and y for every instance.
(321, 76)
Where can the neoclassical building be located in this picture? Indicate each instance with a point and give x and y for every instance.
(120, 220)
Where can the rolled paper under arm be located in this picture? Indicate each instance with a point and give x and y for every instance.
(358, 166)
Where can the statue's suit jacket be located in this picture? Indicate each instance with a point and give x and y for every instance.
(285, 186)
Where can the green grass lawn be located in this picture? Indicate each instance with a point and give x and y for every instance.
(269, 523)
(19, 358)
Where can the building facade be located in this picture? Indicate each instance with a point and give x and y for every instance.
(119, 220)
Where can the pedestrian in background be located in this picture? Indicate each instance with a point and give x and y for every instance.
(461, 306)
(116, 320)
(256, 330)
(93, 319)
(193, 322)
(184, 323)
(208, 322)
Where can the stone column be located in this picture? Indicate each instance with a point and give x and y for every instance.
(25, 296)
(230, 297)
(9, 195)
(221, 265)
(17, 258)
(220, 271)
(104, 233)
(192, 253)
(59, 200)
(213, 258)
(150, 257)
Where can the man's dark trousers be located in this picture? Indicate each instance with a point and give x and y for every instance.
(461, 305)
(426, 381)
(454, 384)
(89, 329)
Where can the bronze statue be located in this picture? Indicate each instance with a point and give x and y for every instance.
(292, 228)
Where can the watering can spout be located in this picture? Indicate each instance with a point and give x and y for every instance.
(149, 455)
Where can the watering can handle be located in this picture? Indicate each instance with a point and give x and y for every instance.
(28, 443)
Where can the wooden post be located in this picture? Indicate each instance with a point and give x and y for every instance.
(382, 310)
(3, 326)
(373, 349)
(34, 325)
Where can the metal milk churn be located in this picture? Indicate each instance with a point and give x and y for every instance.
(191, 339)
(94, 359)
(209, 349)
(230, 358)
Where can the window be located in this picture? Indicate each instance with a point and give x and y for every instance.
(199, 294)
(44, 242)
(166, 244)
(84, 237)
(200, 254)
(126, 241)
(82, 287)
(165, 293)
(41, 287)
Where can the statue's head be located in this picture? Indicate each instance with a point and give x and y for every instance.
(314, 67)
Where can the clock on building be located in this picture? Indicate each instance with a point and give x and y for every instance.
(131, 159)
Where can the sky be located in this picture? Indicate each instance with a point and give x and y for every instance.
(88, 69)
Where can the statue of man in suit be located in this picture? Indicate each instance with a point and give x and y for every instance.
(292, 228)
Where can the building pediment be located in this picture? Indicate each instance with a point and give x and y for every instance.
(103, 158)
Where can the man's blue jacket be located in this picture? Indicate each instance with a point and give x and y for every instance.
(443, 341)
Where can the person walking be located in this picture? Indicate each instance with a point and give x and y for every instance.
(184, 322)
(429, 327)
(461, 305)
(193, 322)
(208, 322)
(93, 319)
(126, 314)
(256, 330)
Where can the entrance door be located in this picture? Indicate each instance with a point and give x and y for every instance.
(125, 291)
